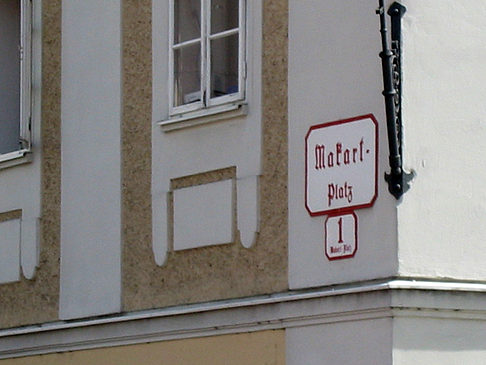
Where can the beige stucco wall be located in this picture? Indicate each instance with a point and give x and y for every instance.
(208, 273)
(36, 301)
(258, 348)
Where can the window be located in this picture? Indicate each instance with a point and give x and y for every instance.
(207, 63)
(15, 78)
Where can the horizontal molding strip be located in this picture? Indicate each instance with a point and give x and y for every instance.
(254, 301)
(277, 311)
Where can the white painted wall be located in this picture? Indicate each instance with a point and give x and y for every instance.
(441, 220)
(91, 198)
(447, 341)
(365, 342)
(227, 143)
(335, 73)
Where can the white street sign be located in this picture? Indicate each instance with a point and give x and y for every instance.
(341, 165)
(341, 236)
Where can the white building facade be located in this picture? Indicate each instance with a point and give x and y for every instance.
(203, 182)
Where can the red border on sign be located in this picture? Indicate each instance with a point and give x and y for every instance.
(352, 207)
(355, 236)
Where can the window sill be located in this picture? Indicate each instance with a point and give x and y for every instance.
(204, 116)
(15, 158)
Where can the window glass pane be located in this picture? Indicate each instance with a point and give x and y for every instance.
(224, 15)
(224, 66)
(187, 20)
(9, 75)
(187, 74)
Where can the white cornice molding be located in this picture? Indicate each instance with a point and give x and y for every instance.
(437, 285)
(379, 299)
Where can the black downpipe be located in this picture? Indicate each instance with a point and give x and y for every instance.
(397, 179)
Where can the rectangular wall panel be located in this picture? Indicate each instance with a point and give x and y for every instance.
(203, 215)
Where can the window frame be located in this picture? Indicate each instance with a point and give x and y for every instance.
(25, 85)
(215, 104)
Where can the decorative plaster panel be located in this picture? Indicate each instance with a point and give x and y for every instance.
(203, 215)
(10, 251)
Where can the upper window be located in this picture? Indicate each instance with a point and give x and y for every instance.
(15, 85)
(207, 63)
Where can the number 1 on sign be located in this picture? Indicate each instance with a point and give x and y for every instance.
(340, 230)
(341, 236)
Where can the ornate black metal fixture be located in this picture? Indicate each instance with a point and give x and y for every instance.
(398, 180)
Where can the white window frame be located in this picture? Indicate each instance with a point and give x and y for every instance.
(25, 54)
(208, 105)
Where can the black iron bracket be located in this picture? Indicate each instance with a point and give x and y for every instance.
(398, 180)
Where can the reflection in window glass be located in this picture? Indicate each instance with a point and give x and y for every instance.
(187, 20)
(206, 54)
(9, 75)
(224, 66)
(187, 74)
(224, 15)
